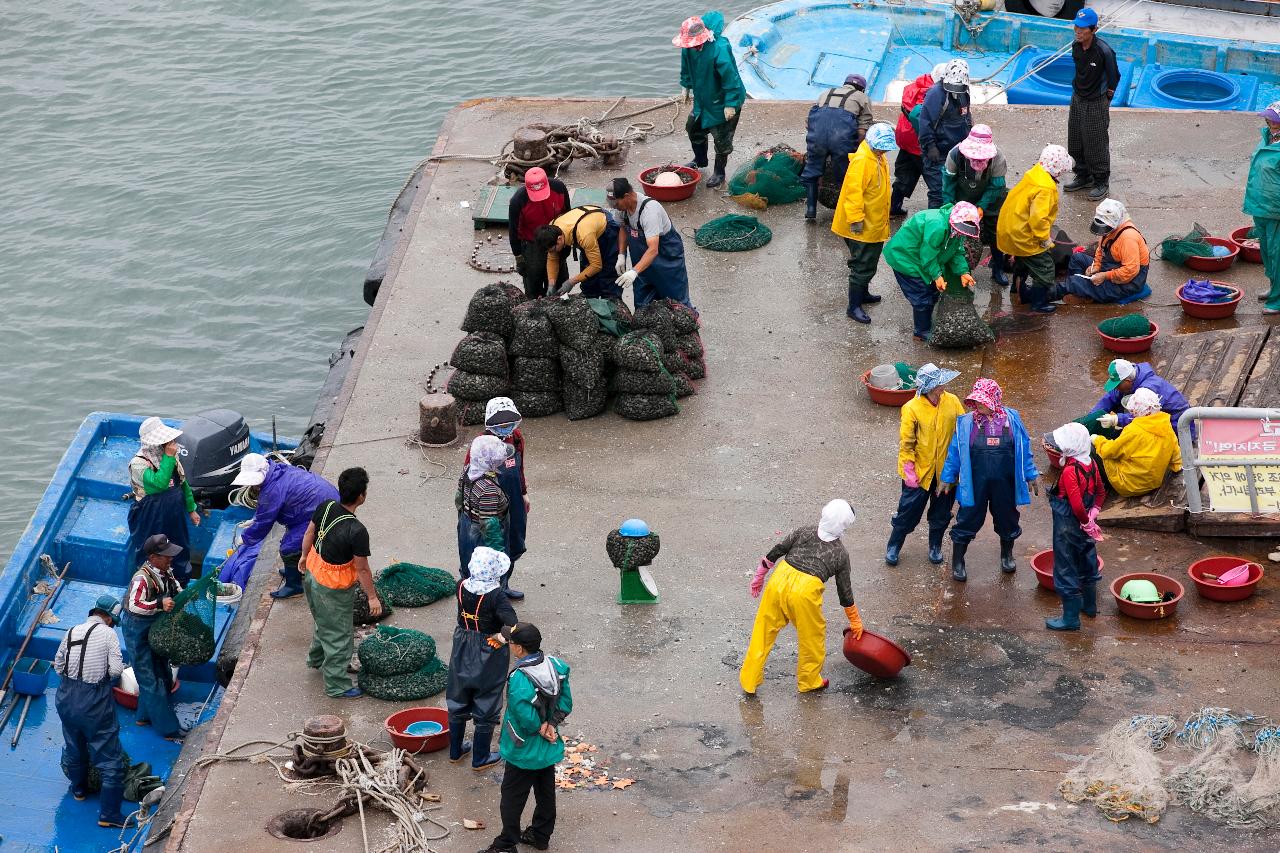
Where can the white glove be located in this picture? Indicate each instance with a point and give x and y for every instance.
(627, 278)
(729, 113)
(1109, 420)
(621, 266)
(1047, 244)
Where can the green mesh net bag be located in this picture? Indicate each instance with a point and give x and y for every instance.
(733, 232)
(630, 552)
(360, 614)
(1127, 326)
(956, 324)
(411, 585)
(395, 651)
(427, 680)
(184, 635)
(1176, 250)
(773, 175)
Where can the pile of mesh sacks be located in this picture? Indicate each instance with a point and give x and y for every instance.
(576, 355)
(400, 665)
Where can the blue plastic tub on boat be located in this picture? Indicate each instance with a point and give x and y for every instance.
(1052, 83)
(1193, 89)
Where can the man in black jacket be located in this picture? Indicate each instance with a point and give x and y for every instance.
(1089, 120)
(533, 205)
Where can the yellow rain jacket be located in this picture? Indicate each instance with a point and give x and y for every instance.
(925, 435)
(864, 197)
(1026, 219)
(1139, 460)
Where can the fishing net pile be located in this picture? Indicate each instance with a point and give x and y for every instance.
(184, 635)
(1176, 249)
(1126, 326)
(1222, 765)
(733, 232)
(562, 355)
(138, 779)
(631, 552)
(360, 612)
(771, 177)
(400, 665)
(956, 324)
(411, 585)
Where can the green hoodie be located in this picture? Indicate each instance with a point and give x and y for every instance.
(520, 743)
(924, 247)
(1262, 192)
(710, 71)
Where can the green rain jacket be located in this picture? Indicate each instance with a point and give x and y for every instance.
(1262, 192)
(712, 74)
(925, 248)
(520, 743)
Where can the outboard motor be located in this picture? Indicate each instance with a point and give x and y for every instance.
(213, 443)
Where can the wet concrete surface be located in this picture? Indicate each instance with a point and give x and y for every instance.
(963, 752)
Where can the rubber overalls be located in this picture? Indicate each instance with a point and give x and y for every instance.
(994, 467)
(89, 726)
(666, 277)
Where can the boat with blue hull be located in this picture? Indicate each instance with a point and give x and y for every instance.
(797, 49)
(81, 525)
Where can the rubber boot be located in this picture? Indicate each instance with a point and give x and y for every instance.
(895, 204)
(481, 757)
(699, 160)
(512, 593)
(1070, 618)
(957, 561)
(717, 176)
(922, 320)
(1008, 563)
(935, 546)
(1089, 600)
(1000, 268)
(109, 801)
(459, 746)
(894, 549)
(810, 201)
(292, 583)
(1039, 298)
(854, 311)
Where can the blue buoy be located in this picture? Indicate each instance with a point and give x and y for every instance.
(424, 728)
(634, 527)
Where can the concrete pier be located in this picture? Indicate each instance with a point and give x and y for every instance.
(963, 752)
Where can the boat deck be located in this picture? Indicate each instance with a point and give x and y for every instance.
(966, 749)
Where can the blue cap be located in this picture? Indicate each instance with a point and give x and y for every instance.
(634, 527)
(1086, 18)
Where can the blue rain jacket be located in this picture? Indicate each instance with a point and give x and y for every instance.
(289, 495)
(958, 463)
(1171, 401)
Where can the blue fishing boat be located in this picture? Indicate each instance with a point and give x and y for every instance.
(796, 49)
(80, 532)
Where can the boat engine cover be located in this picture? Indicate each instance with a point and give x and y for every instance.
(213, 443)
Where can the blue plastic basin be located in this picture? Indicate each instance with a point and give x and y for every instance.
(1193, 89)
(1052, 83)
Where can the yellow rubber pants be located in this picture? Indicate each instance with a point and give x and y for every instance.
(790, 597)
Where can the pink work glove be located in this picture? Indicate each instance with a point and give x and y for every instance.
(909, 475)
(1091, 528)
(757, 582)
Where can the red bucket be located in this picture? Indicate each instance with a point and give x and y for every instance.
(414, 744)
(1252, 254)
(1128, 346)
(1215, 263)
(1217, 566)
(1042, 563)
(1139, 610)
(676, 193)
(875, 653)
(1211, 310)
(885, 396)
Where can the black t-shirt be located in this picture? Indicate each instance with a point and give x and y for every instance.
(345, 537)
(1096, 69)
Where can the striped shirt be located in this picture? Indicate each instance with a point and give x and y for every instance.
(101, 653)
(482, 498)
(148, 588)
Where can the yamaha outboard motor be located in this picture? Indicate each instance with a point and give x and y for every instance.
(213, 443)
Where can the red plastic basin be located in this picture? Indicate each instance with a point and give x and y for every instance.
(1137, 610)
(1215, 264)
(1211, 310)
(130, 700)
(1128, 346)
(1055, 458)
(679, 193)
(401, 720)
(875, 654)
(1252, 254)
(1215, 591)
(1043, 565)
(884, 396)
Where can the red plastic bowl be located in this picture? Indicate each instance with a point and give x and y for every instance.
(401, 720)
(130, 700)
(884, 396)
(1137, 610)
(1252, 254)
(875, 653)
(1127, 346)
(1215, 264)
(1043, 565)
(1215, 591)
(1211, 310)
(679, 193)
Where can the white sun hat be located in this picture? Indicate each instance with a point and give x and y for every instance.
(154, 432)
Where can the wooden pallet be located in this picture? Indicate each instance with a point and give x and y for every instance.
(1210, 368)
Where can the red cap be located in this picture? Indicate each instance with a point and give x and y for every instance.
(535, 181)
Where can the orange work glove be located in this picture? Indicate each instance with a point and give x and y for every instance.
(855, 621)
(940, 283)
(966, 280)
